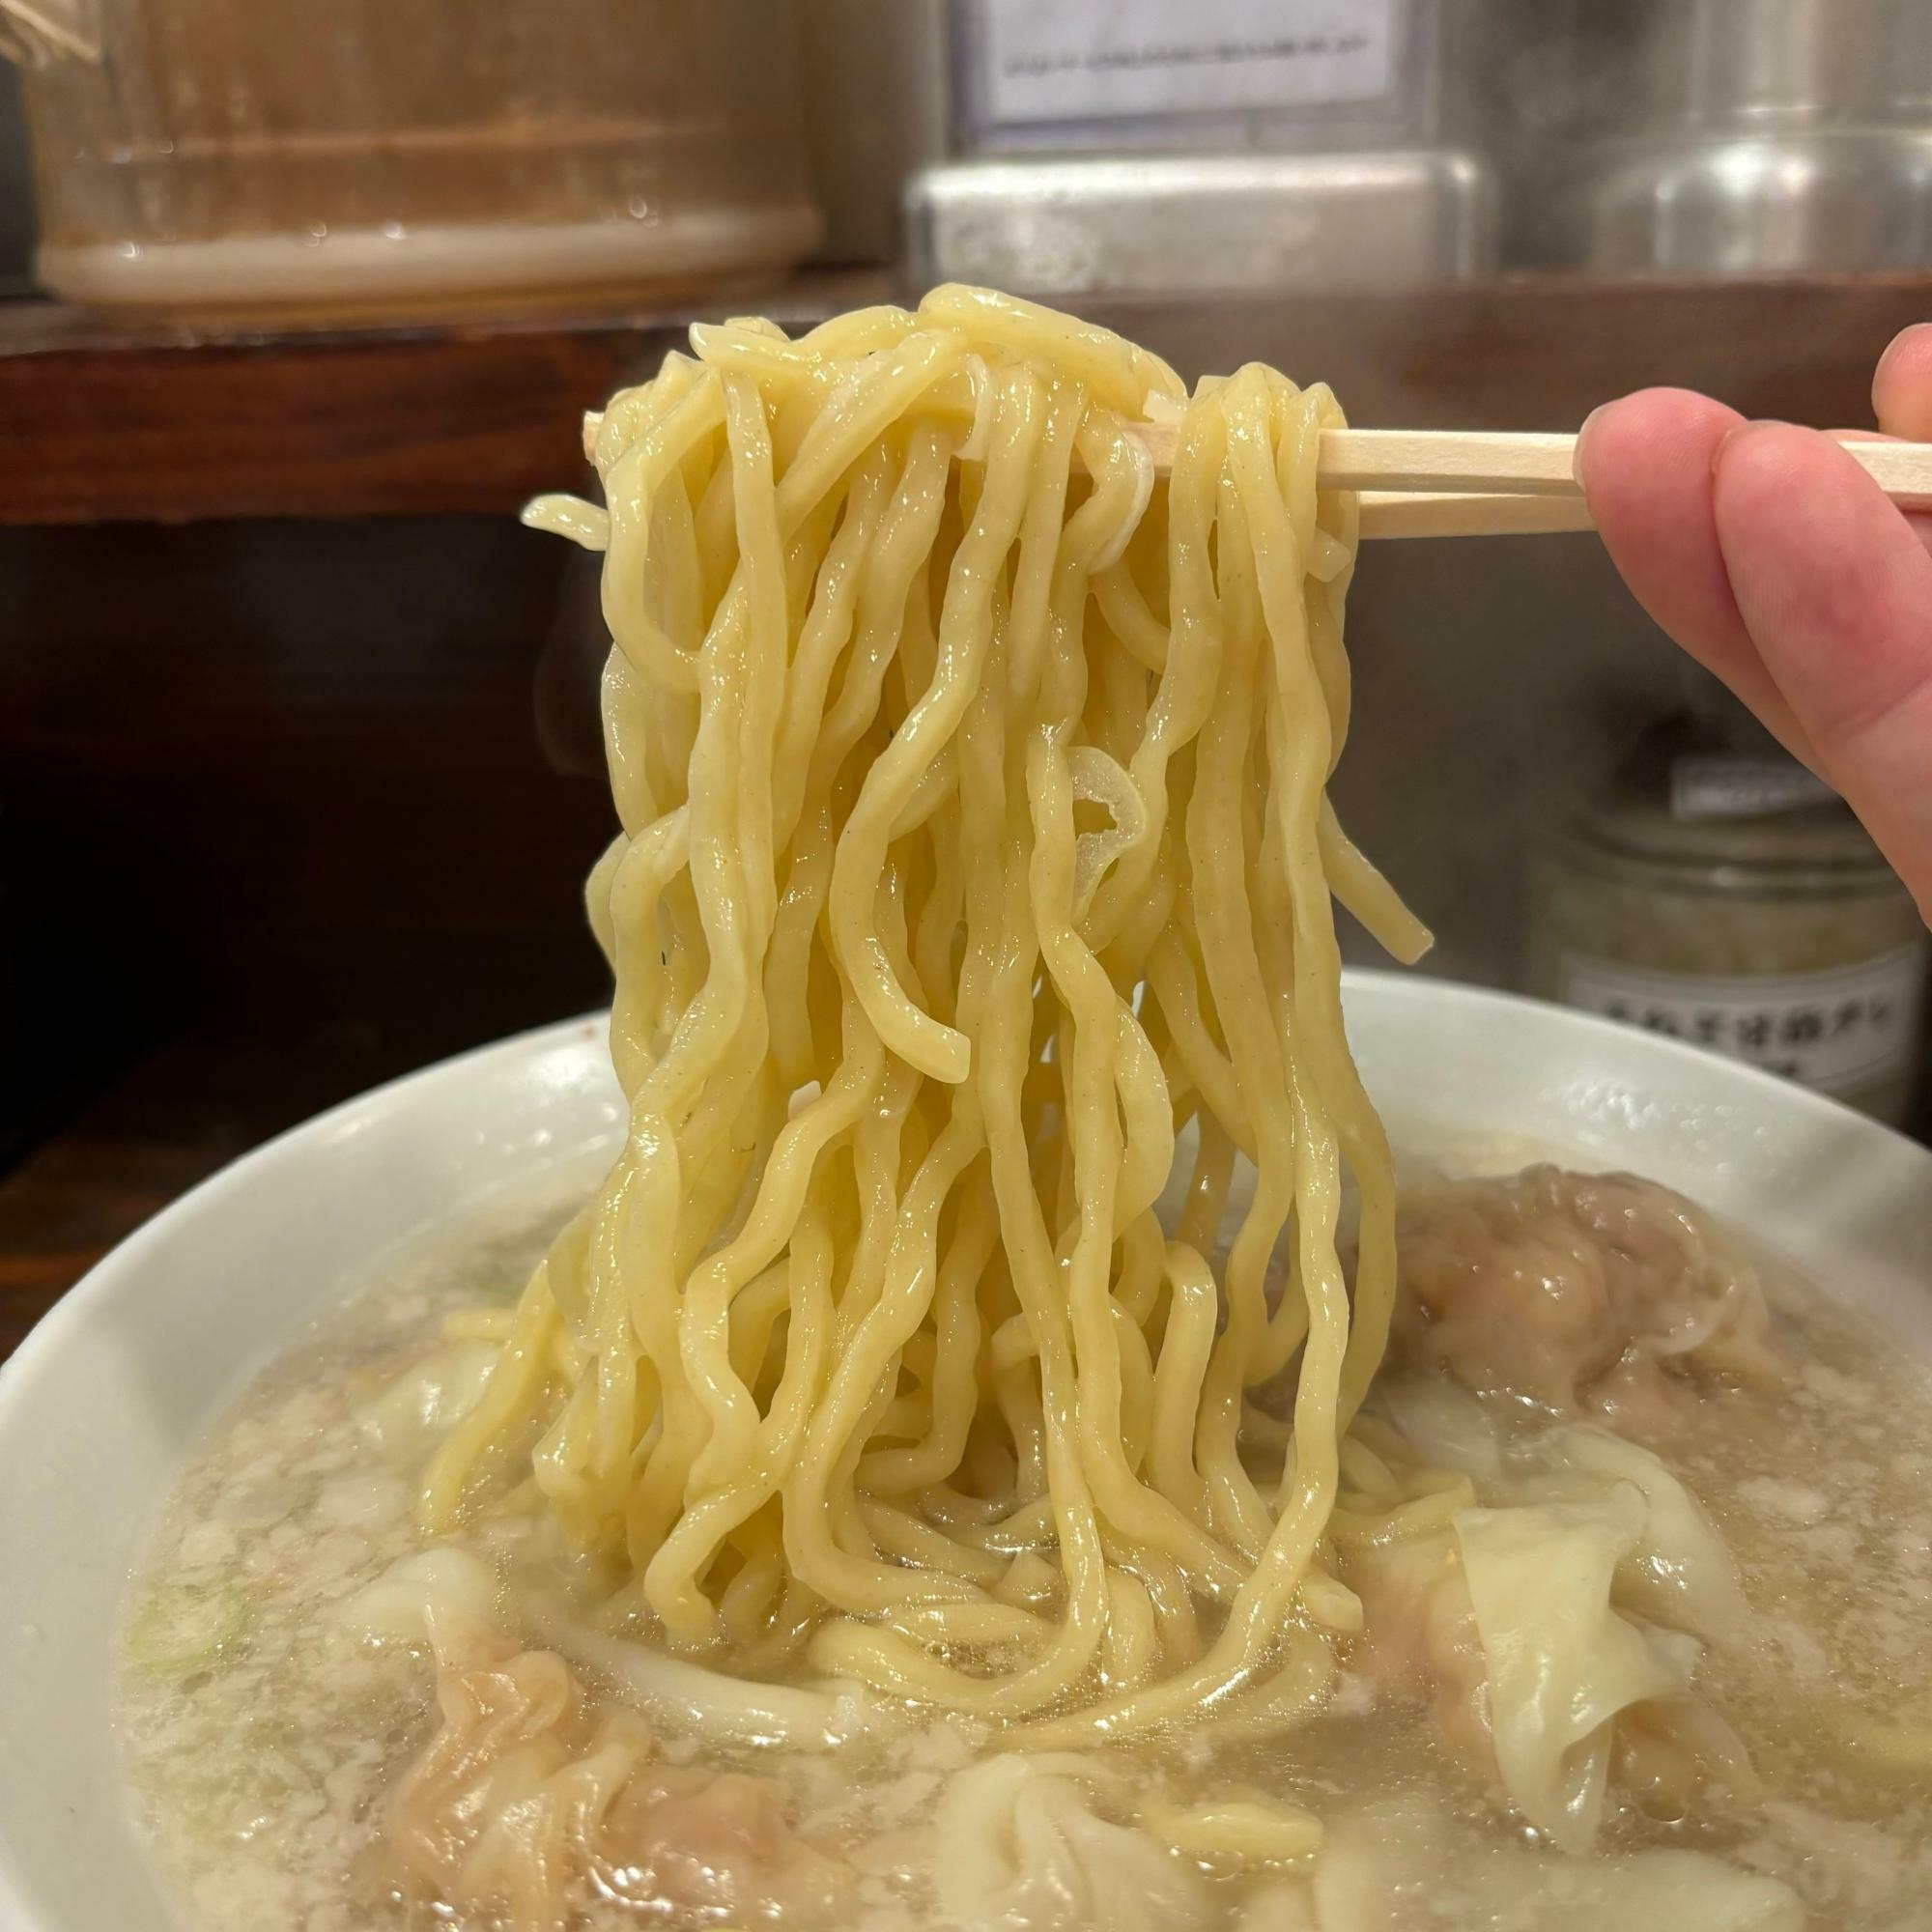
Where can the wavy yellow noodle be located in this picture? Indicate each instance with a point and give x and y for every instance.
(976, 866)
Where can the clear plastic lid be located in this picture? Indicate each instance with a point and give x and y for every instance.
(194, 153)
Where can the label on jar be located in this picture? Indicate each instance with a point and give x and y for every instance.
(1070, 60)
(1837, 1030)
(1717, 785)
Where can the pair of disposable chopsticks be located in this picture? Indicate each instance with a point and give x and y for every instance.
(1473, 483)
(1485, 483)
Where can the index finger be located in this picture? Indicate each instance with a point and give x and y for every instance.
(1837, 594)
(1646, 465)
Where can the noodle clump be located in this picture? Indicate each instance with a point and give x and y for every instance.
(975, 857)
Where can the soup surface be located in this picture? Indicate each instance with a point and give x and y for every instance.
(1635, 1541)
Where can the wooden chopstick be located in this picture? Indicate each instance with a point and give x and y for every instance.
(1486, 461)
(1469, 513)
(1454, 482)
(1509, 464)
(1432, 460)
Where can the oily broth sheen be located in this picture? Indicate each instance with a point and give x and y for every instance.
(265, 1739)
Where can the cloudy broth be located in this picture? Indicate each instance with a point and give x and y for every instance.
(299, 1744)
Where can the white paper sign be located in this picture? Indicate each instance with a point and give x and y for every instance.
(1073, 60)
(1835, 1030)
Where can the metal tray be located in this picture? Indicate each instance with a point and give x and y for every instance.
(1152, 224)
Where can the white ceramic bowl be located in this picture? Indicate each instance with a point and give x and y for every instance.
(99, 1405)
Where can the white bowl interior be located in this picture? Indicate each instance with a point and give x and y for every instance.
(98, 1407)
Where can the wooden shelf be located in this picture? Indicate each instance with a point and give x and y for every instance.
(108, 419)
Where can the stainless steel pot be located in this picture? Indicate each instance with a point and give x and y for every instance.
(1722, 136)
(1752, 65)
(1787, 204)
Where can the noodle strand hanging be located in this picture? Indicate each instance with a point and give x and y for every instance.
(973, 904)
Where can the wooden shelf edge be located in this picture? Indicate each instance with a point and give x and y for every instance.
(106, 420)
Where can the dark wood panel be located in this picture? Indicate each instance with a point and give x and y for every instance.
(277, 820)
(108, 421)
(297, 430)
(280, 783)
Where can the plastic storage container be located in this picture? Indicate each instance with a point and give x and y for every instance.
(362, 156)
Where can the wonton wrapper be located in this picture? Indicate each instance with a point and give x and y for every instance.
(1560, 1663)
(526, 1800)
(1678, 1572)
(1021, 1843)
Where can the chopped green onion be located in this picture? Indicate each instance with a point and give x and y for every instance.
(184, 1626)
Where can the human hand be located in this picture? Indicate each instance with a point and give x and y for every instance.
(1778, 563)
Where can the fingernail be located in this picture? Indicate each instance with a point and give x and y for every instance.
(1576, 449)
(1912, 329)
